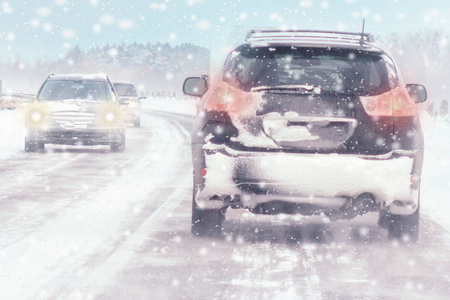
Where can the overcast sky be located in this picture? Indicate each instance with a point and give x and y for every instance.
(47, 29)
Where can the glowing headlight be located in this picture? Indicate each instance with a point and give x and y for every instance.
(36, 116)
(132, 104)
(110, 117)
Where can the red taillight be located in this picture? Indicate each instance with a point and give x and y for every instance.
(224, 97)
(393, 103)
(217, 97)
(203, 172)
(415, 179)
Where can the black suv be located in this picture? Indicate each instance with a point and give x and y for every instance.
(75, 109)
(308, 122)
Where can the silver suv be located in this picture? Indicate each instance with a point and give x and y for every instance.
(75, 109)
(309, 122)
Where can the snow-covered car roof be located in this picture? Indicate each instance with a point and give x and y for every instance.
(314, 38)
(94, 77)
(127, 83)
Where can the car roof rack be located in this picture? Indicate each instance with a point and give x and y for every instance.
(308, 36)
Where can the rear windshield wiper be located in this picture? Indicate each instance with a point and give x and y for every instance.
(337, 93)
(291, 87)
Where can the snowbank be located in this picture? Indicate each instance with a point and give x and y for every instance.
(12, 132)
(435, 187)
(185, 105)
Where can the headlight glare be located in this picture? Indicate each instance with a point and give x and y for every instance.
(36, 116)
(110, 117)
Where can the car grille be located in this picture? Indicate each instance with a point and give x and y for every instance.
(73, 120)
(73, 135)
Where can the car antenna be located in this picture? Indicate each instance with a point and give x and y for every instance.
(361, 40)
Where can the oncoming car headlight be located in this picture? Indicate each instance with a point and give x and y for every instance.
(36, 116)
(110, 117)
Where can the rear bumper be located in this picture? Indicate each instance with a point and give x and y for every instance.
(327, 181)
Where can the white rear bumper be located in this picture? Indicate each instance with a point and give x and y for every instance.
(324, 180)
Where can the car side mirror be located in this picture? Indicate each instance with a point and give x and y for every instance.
(195, 86)
(417, 92)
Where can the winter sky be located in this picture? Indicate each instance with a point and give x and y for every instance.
(47, 29)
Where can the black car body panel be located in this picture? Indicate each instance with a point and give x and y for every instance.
(308, 124)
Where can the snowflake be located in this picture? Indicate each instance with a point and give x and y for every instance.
(126, 24)
(68, 34)
(43, 11)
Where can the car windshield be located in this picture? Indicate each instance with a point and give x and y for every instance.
(344, 71)
(125, 89)
(75, 89)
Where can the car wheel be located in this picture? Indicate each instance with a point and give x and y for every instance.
(206, 223)
(137, 123)
(31, 147)
(118, 147)
(402, 228)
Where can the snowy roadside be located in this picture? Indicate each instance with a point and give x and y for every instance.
(435, 187)
(12, 132)
(185, 106)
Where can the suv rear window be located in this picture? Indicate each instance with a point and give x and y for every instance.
(346, 71)
(76, 89)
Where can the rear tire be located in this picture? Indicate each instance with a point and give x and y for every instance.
(404, 229)
(206, 223)
(118, 147)
(31, 147)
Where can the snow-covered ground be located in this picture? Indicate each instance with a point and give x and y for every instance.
(11, 132)
(185, 105)
(435, 194)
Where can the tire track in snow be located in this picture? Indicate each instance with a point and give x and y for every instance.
(118, 260)
(34, 174)
(30, 212)
(91, 286)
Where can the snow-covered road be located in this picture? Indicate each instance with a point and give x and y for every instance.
(83, 223)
